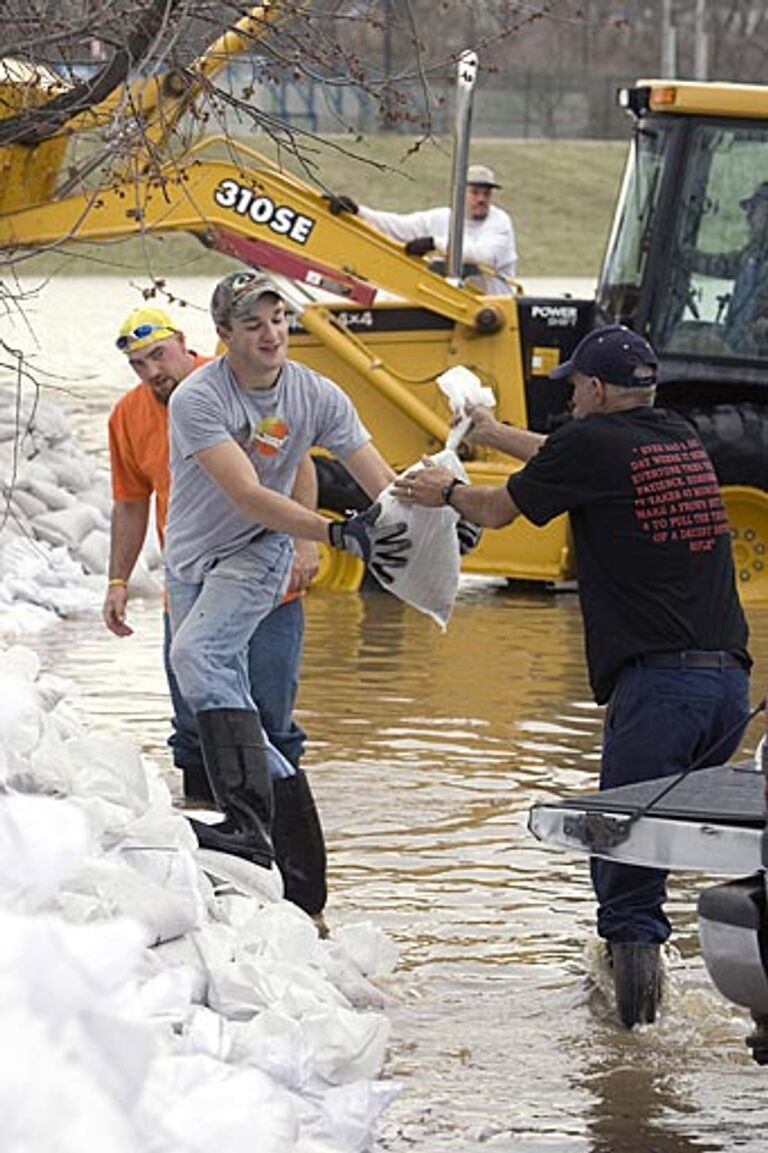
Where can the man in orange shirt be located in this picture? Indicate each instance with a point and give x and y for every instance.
(138, 445)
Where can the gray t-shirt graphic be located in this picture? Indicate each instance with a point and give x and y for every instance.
(275, 428)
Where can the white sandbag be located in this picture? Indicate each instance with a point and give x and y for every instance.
(172, 869)
(94, 962)
(180, 953)
(430, 580)
(21, 724)
(204, 1105)
(350, 1112)
(64, 600)
(43, 842)
(67, 526)
(48, 1102)
(93, 552)
(143, 583)
(344, 974)
(53, 496)
(33, 472)
(244, 988)
(276, 1044)
(33, 560)
(9, 431)
(64, 718)
(20, 662)
(48, 767)
(166, 997)
(101, 500)
(24, 620)
(241, 876)
(462, 387)
(348, 1045)
(207, 1034)
(35, 572)
(108, 822)
(16, 524)
(150, 553)
(33, 755)
(374, 954)
(47, 422)
(51, 692)
(161, 826)
(111, 769)
(279, 930)
(27, 503)
(74, 472)
(106, 887)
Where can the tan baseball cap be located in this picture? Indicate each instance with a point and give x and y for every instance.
(481, 174)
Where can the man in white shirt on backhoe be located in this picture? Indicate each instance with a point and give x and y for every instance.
(489, 237)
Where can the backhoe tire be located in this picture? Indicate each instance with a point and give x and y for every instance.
(736, 438)
(338, 494)
(747, 512)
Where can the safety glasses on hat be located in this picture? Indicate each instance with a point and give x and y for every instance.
(140, 332)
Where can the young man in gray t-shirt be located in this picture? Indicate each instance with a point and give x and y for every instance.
(240, 427)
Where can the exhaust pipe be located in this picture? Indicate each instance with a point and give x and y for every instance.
(465, 90)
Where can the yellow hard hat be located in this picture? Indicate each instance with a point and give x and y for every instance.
(144, 326)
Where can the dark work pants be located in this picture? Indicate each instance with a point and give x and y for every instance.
(659, 722)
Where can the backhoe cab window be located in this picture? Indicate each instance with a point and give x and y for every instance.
(716, 300)
(625, 267)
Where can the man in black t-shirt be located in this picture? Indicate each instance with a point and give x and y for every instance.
(665, 635)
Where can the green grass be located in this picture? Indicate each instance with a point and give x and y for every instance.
(560, 195)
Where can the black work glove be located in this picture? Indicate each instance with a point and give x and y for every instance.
(381, 550)
(420, 246)
(469, 534)
(339, 204)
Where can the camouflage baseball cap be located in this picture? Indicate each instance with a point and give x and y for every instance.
(235, 295)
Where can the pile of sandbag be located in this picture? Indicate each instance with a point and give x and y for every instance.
(55, 520)
(146, 1007)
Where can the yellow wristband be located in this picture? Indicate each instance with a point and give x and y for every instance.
(117, 583)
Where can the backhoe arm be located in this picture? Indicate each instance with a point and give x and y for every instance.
(264, 204)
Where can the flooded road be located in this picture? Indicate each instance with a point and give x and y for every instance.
(426, 751)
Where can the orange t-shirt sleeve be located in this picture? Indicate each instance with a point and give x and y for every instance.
(129, 482)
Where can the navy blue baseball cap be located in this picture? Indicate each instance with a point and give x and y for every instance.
(613, 354)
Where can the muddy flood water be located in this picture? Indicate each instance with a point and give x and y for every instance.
(426, 751)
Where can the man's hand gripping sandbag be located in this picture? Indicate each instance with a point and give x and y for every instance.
(381, 548)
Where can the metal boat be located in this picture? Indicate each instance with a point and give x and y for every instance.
(708, 820)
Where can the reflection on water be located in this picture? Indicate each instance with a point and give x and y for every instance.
(426, 751)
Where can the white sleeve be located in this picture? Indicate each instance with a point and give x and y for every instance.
(505, 260)
(403, 226)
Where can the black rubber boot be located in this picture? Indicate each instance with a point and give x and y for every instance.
(636, 980)
(196, 786)
(235, 757)
(299, 843)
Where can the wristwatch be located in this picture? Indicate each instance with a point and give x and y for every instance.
(447, 490)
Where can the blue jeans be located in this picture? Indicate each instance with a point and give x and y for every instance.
(659, 722)
(274, 660)
(212, 623)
